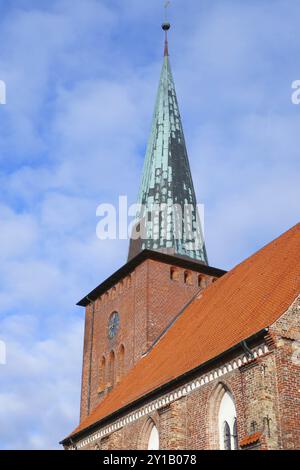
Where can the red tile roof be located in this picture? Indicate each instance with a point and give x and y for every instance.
(247, 299)
(252, 439)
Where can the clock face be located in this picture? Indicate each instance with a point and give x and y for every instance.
(113, 325)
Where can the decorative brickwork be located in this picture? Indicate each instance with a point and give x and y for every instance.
(147, 301)
(186, 417)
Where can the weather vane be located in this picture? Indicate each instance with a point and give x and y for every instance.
(167, 4)
(166, 26)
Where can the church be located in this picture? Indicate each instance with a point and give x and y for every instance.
(178, 354)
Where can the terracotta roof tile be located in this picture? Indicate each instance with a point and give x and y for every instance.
(252, 439)
(248, 298)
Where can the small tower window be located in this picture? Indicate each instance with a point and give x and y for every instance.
(188, 279)
(174, 274)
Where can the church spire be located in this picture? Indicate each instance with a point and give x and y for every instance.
(168, 220)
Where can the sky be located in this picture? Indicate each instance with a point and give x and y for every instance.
(81, 78)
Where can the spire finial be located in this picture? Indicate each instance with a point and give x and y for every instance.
(166, 26)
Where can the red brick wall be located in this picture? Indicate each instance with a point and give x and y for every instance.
(265, 391)
(260, 389)
(286, 333)
(147, 301)
(203, 408)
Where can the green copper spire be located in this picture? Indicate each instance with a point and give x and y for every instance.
(168, 220)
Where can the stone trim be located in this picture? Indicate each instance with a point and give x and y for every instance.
(167, 398)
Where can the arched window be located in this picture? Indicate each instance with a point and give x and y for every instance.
(102, 375)
(202, 281)
(111, 369)
(227, 423)
(153, 443)
(149, 436)
(226, 436)
(174, 274)
(188, 278)
(235, 435)
(121, 362)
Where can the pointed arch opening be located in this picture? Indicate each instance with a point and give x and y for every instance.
(227, 422)
(174, 274)
(111, 369)
(188, 278)
(223, 429)
(149, 438)
(102, 374)
(121, 363)
(226, 436)
(153, 441)
(235, 435)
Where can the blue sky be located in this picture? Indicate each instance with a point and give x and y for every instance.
(81, 81)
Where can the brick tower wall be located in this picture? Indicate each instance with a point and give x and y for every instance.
(147, 301)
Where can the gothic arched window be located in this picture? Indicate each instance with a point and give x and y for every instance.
(235, 435)
(121, 362)
(153, 443)
(102, 374)
(149, 436)
(188, 278)
(226, 436)
(227, 423)
(111, 369)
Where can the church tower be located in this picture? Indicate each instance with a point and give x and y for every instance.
(173, 360)
(168, 220)
(166, 268)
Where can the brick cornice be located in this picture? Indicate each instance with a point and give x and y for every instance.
(179, 261)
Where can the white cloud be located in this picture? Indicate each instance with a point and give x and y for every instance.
(18, 233)
(43, 382)
(81, 80)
